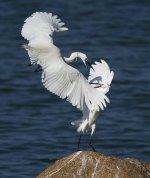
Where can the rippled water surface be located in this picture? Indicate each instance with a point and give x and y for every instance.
(35, 125)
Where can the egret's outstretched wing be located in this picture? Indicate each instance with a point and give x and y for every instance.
(101, 77)
(38, 29)
(41, 24)
(69, 83)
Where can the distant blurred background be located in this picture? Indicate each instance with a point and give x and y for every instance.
(35, 125)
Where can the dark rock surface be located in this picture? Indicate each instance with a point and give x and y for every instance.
(87, 164)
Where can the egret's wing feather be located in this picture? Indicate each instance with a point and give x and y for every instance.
(69, 83)
(41, 24)
(38, 29)
(101, 77)
(41, 55)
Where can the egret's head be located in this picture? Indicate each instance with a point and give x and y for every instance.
(80, 55)
(87, 64)
(85, 61)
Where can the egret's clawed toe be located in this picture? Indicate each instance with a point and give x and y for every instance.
(38, 69)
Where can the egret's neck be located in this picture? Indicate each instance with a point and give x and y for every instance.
(72, 57)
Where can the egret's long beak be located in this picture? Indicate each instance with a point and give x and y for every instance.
(87, 64)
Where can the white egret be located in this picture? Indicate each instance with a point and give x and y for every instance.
(60, 78)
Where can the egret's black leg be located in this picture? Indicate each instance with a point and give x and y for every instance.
(29, 64)
(79, 140)
(39, 68)
(90, 144)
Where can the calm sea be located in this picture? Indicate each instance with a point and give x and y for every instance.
(35, 125)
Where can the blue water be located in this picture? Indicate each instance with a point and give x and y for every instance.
(35, 125)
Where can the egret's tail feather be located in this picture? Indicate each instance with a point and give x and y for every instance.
(100, 77)
(76, 123)
(83, 126)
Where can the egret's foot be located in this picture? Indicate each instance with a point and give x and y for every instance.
(92, 147)
(90, 144)
(39, 68)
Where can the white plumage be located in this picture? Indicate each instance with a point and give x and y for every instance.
(101, 77)
(60, 78)
(41, 24)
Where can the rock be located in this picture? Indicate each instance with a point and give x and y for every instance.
(87, 164)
